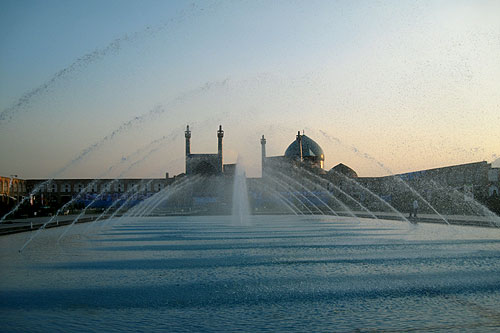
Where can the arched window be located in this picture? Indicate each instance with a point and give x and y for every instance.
(66, 188)
(79, 187)
(52, 188)
(107, 187)
(93, 188)
(119, 187)
(493, 191)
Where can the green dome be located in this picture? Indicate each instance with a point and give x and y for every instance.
(309, 149)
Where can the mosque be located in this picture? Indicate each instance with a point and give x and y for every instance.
(206, 164)
(303, 151)
(303, 157)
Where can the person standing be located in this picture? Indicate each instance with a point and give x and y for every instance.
(414, 208)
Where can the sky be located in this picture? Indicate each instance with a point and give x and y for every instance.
(105, 88)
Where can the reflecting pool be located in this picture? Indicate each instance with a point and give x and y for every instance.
(276, 273)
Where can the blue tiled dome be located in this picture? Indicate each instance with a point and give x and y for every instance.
(309, 149)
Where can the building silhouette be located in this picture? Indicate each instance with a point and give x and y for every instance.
(442, 187)
(205, 164)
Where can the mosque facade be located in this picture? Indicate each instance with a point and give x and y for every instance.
(303, 152)
(206, 164)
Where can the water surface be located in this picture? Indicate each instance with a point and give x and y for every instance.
(276, 273)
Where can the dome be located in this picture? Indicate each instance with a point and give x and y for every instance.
(343, 169)
(309, 149)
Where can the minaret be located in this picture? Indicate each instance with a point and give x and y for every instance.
(187, 134)
(220, 135)
(263, 144)
(299, 140)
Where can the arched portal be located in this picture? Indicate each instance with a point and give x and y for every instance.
(205, 168)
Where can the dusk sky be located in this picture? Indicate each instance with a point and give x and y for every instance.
(383, 86)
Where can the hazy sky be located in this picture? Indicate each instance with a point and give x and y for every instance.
(382, 86)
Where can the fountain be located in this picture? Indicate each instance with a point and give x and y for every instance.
(322, 229)
(241, 207)
(206, 248)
